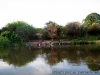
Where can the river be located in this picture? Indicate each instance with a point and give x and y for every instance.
(57, 60)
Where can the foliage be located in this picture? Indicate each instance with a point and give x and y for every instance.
(73, 29)
(82, 31)
(94, 29)
(12, 37)
(60, 31)
(52, 30)
(46, 35)
(4, 29)
(55, 31)
(26, 32)
(40, 32)
(23, 29)
(13, 26)
(4, 41)
(64, 31)
(20, 30)
(91, 18)
(6, 34)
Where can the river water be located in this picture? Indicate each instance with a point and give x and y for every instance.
(57, 60)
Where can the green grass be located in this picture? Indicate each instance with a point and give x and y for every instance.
(88, 40)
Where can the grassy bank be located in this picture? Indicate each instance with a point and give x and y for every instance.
(87, 40)
(81, 40)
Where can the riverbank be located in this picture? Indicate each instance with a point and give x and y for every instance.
(61, 42)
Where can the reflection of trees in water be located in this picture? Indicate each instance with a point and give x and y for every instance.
(93, 67)
(95, 55)
(54, 55)
(72, 55)
(75, 55)
(93, 60)
(17, 56)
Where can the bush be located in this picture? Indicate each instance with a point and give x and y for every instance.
(4, 41)
(98, 38)
(12, 37)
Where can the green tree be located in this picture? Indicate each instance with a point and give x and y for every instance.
(4, 29)
(46, 35)
(82, 31)
(4, 41)
(43, 33)
(38, 30)
(26, 32)
(13, 26)
(12, 37)
(23, 29)
(60, 31)
(39, 33)
(91, 18)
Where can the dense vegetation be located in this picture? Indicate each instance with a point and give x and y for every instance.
(18, 32)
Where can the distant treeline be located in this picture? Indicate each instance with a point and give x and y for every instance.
(18, 32)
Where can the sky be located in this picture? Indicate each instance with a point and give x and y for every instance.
(38, 12)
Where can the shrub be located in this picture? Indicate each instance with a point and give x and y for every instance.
(4, 41)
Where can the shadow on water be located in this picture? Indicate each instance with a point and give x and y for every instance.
(75, 55)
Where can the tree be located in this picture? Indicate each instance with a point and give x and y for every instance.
(23, 29)
(4, 41)
(13, 26)
(52, 30)
(4, 29)
(94, 29)
(39, 33)
(26, 32)
(44, 33)
(12, 37)
(82, 31)
(73, 29)
(91, 18)
(60, 31)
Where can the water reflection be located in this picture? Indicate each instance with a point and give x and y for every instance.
(37, 67)
(3, 64)
(17, 56)
(44, 60)
(40, 65)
